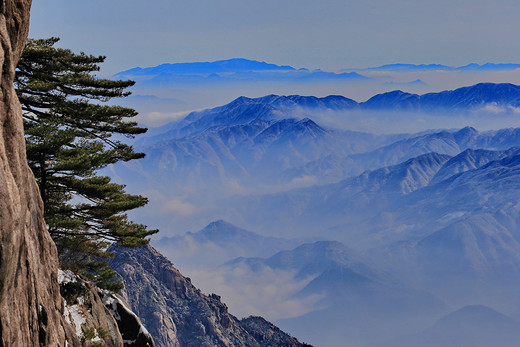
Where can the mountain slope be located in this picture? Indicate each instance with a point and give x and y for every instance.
(333, 168)
(394, 203)
(178, 314)
(466, 98)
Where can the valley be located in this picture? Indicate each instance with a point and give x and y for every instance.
(267, 203)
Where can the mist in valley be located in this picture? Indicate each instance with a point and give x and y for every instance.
(173, 97)
(352, 204)
(403, 235)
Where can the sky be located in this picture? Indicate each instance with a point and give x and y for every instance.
(326, 34)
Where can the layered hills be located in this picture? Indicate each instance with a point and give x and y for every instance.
(240, 140)
(237, 70)
(379, 234)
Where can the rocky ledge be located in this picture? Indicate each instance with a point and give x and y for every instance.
(99, 317)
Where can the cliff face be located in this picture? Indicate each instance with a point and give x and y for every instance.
(177, 314)
(100, 316)
(30, 303)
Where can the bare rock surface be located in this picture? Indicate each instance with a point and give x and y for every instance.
(177, 314)
(99, 316)
(31, 307)
(267, 334)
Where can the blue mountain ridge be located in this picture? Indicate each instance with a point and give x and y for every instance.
(270, 107)
(246, 65)
(230, 65)
(440, 67)
(231, 70)
(465, 98)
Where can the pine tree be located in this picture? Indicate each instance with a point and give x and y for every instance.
(71, 134)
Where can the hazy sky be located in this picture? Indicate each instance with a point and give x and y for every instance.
(327, 34)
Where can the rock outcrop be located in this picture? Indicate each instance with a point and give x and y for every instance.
(100, 316)
(31, 307)
(177, 314)
(267, 334)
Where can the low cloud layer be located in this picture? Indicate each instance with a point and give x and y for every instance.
(272, 289)
(170, 103)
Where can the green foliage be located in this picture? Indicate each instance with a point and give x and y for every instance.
(102, 333)
(70, 137)
(88, 334)
(91, 333)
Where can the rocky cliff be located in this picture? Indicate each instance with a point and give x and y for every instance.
(99, 316)
(177, 314)
(30, 303)
(32, 310)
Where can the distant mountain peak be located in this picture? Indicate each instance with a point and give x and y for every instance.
(219, 225)
(465, 132)
(208, 68)
(241, 100)
(477, 316)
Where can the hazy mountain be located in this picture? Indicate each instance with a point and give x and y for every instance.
(476, 325)
(353, 200)
(456, 237)
(307, 260)
(353, 296)
(411, 67)
(243, 109)
(244, 146)
(227, 71)
(489, 67)
(368, 210)
(439, 67)
(219, 242)
(395, 100)
(274, 139)
(252, 152)
(334, 168)
(433, 212)
(468, 160)
(230, 65)
(253, 146)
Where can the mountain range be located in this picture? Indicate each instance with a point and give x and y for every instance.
(219, 242)
(235, 70)
(434, 216)
(274, 143)
(439, 67)
(240, 67)
(430, 218)
(170, 90)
